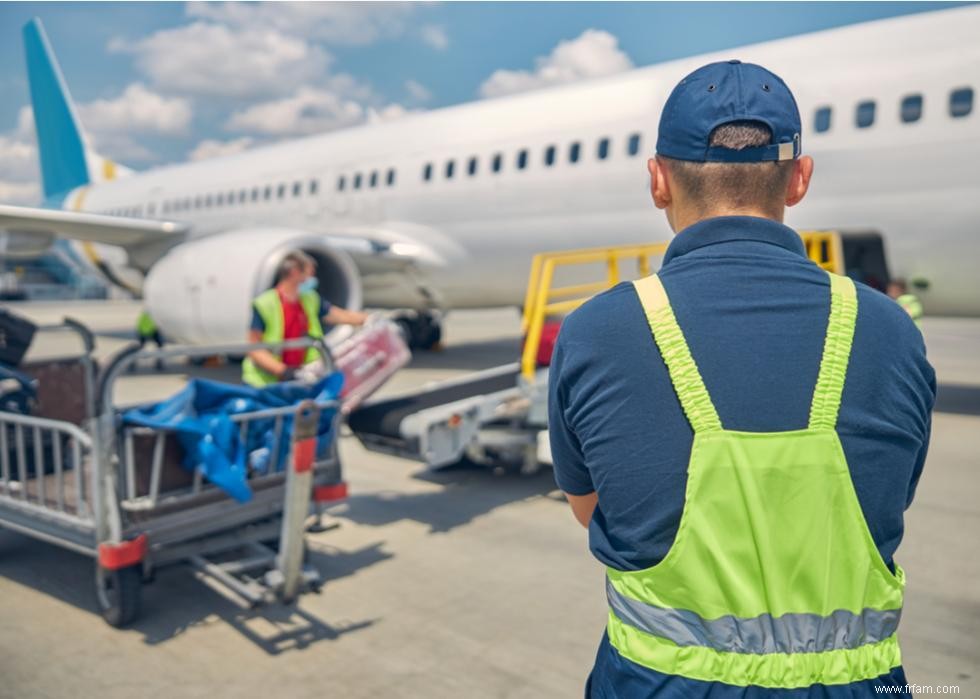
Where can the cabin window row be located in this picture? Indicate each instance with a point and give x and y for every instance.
(371, 180)
(522, 158)
(910, 110)
(268, 192)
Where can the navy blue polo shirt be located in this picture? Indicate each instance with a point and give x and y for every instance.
(754, 311)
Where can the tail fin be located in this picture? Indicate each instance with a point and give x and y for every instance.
(64, 165)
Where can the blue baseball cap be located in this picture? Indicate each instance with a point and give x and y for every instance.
(720, 93)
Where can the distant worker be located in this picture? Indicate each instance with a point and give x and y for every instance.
(898, 290)
(146, 331)
(292, 309)
(743, 472)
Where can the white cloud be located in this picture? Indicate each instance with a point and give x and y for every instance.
(215, 60)
(313, 110)
(19, 176)
(25, 193)
(137, 110)
(417, 91)
(310, 110)
(435, 36)
(212, 148)
(595, 53)
(349, 23)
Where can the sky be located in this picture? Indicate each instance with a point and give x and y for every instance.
(158, 83)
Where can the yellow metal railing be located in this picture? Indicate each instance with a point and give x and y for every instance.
(542, 299)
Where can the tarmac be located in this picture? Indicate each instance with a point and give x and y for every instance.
(457, 583)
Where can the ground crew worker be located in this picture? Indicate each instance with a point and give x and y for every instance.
(146, 331)
(910, 302)
(741, 432)
(292, 309)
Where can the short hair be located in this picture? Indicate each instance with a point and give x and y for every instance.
(716, 185)
(296, 259)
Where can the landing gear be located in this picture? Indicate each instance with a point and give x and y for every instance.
(422, 329)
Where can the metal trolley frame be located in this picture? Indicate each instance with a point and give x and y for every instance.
(109, 491)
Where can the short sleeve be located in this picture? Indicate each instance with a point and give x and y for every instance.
(257, 323)
(571, 473)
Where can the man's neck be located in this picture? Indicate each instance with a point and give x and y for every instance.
(290, 292)
(685, 219)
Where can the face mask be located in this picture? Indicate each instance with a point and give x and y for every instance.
(309, 284)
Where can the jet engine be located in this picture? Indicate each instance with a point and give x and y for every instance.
(201, 291)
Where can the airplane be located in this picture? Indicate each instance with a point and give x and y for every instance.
(444, 209)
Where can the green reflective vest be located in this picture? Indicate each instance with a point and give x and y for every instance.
(269, 308)
(912, 306)
(145, 327)
(773, 578)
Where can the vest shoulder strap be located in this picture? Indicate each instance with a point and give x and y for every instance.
(683, 371)
(836, 353)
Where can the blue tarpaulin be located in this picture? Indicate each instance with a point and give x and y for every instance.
(200, 416)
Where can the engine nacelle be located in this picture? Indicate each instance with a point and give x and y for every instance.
(201, 291)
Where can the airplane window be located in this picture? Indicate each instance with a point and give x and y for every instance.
(314, 184)
(427, 172)
(573, 152)
(549, 156)
(602, 152)
(207, 201)
(281, 191)
(498, 162)
(357, 181)
(374, 179)
(471, 168)
(341, 183)
(255, 193)
(821, 119)
(961, 102)
(633, 144)
(197, 202)
(230, 199)
(865, 114)
(219, 199)
(391, 177)
(297, 188)
(911, 108)
(242, 196)
(267, 194)
(521, 159)
(450, 166)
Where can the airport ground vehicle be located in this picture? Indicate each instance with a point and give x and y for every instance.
(499, 416)
(78, 476)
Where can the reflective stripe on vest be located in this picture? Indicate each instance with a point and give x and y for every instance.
(773, 578)
(269, 307)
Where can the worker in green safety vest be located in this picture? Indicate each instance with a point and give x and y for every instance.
(898, 290)
(742, 431)
(147, 331)
(292, 309)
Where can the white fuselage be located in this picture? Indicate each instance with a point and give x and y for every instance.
(916, 183)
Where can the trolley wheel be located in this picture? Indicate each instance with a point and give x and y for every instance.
(118, 593)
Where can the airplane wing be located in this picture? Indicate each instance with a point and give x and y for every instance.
(94, 228)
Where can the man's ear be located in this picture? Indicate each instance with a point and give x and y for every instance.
(799, 183)
(659, 186)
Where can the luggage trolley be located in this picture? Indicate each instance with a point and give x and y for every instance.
(117, 493)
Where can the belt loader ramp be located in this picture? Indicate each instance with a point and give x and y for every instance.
(499, 416)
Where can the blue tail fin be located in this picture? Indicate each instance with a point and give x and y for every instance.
(59, 138)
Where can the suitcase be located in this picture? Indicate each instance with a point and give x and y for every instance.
(16, 334)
